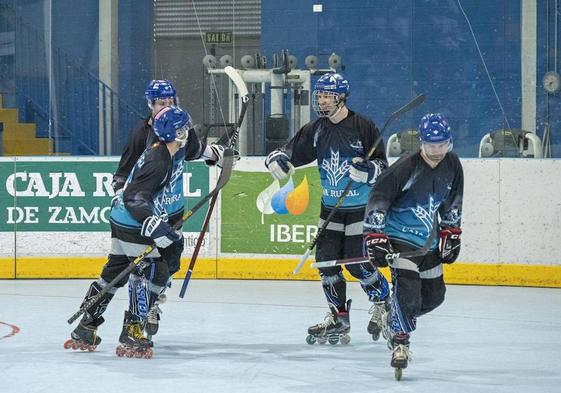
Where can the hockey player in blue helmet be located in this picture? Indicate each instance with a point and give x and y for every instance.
(339, 140)
(330, 95)
(422, 192)
(161, 93)
(139, 218)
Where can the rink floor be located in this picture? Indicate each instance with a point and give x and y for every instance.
(249, 336)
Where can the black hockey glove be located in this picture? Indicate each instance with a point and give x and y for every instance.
(450, 241)
(218, 151)
(278, 164)
(159, 231)
(377, 247)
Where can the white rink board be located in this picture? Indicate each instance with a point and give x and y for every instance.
(511, 214)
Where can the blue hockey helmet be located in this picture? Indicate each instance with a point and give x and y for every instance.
(333, 82)
(172, 124)
(434, 128)
(435, 136)
(332, 85)
(160, 88)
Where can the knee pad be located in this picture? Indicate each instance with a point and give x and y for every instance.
(93, 314)
(374, 284)
(138, 296)
(335, 289)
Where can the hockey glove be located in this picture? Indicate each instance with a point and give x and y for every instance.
(377, 247)
(218, 152)
(450, 241)
(364, 171)
(278, 164)
(159, 231)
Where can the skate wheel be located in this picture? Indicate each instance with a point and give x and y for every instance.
(149, 354)
(68, 344)
(129, 353)
(311, 339)
(74, 345)
(333, 340)
(397, 374)
(119, 351)
(322, 340)
(345, 339)
(91, 348)
(375, 336)
(138, 354)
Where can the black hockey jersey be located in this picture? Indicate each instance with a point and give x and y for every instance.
(408, 193)
(146, 188)
(334, 146)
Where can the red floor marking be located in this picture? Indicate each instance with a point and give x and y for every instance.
(14, 331)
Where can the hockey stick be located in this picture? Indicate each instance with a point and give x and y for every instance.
(244, 98)
(389, 257)
(415, 102)
(138, 261)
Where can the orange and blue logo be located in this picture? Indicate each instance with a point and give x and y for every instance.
(284, 200)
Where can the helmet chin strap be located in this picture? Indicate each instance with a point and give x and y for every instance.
(340, 105)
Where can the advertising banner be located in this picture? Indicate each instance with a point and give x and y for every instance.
(74, 195)
(264, 216)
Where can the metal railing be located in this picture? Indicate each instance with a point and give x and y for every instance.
(69, 104)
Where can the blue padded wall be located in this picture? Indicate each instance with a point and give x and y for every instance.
(394, 50)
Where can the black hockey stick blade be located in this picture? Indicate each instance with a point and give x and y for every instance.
(415, 102)
(389, 257)
(224, 177)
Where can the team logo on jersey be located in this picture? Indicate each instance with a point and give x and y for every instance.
(284, 200)
(426, 216)
(335, 169)
(357, 146)
(451, 218)
(375, 220)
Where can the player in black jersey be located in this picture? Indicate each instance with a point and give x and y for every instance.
(400, 216)
(139, 217)
(340, 140)
(159, 94)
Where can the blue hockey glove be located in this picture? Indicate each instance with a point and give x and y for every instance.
(279, 165)
(377, 247)
(218, 151)
(159, 231)
(450, 242)
(364, 171)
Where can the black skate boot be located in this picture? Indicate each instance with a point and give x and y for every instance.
(85, 337)
(153, 316)
(133, 342)
(334, 328)
(375, 325)
(400, 353)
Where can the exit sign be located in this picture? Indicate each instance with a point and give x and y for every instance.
(218, 37)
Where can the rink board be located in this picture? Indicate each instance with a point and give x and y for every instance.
(510, 225)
